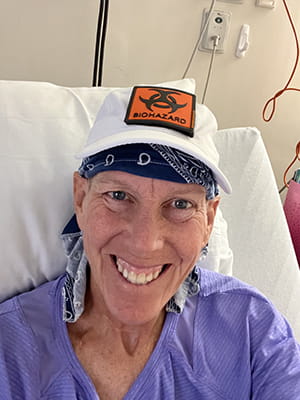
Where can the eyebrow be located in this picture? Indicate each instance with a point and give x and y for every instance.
(116, 181)
(124, 183)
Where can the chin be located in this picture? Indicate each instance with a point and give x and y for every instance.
(135, 315)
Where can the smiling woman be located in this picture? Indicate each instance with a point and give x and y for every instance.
(134, 316)
(143, 232)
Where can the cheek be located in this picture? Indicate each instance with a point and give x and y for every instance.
(99, 228)
(191, 240)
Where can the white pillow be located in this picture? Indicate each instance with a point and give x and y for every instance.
(42, 127)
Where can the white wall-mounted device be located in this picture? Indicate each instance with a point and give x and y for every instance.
(218, 25)
(266, 3)
(243, 41)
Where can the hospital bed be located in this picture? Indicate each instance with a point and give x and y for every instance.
(44, 125)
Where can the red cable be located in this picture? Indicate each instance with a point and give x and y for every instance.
(286, 88)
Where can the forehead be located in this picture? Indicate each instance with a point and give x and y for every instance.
(119, 180)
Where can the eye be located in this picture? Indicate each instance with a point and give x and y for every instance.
(118, 201)
(179, 210)
(181, 204)
(118, 195)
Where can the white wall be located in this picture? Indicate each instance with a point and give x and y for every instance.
(151, 42)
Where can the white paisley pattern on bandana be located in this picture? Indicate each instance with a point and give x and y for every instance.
(190, 168)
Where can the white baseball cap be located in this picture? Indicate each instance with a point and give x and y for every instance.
(165, 114)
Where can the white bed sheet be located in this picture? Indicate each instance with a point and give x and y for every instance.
(258, 233)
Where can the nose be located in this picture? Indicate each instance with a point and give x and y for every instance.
(146, 233)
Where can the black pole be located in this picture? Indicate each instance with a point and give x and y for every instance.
(103, 37)
(96, 56)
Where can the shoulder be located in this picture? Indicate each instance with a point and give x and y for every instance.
(229, 299)
(25, 322)
(242, 333)
(241, 316)
(36, 297)
(214, 283)
(22, 312)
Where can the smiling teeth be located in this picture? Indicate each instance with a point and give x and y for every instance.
(137, 279)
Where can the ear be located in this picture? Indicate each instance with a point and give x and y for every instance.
(212, 206)
(80, 189)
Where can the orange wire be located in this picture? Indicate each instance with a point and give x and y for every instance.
(297, 157)
(286, 88)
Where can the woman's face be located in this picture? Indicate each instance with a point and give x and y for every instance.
(142, 237)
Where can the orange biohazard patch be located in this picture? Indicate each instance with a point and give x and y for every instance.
(169, 108)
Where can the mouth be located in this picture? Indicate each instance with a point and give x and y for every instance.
(138, 276)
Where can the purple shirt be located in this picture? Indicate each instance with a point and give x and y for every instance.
(229, 343)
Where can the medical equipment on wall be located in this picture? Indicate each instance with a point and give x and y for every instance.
(243, 41)
(209, 14)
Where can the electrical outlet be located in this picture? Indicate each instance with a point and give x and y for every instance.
(218, 25)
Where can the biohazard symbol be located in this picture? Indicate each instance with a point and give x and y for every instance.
(162, 99)
(158, 106)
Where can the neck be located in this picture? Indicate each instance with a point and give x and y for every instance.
(97, 322)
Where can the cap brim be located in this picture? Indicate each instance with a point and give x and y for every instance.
(153, 136)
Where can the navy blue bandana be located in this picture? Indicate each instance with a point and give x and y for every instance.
(152, 161)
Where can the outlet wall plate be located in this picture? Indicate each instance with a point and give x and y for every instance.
(218, 25)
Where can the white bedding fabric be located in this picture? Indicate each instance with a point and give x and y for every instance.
(43, 126)
(257, 229)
